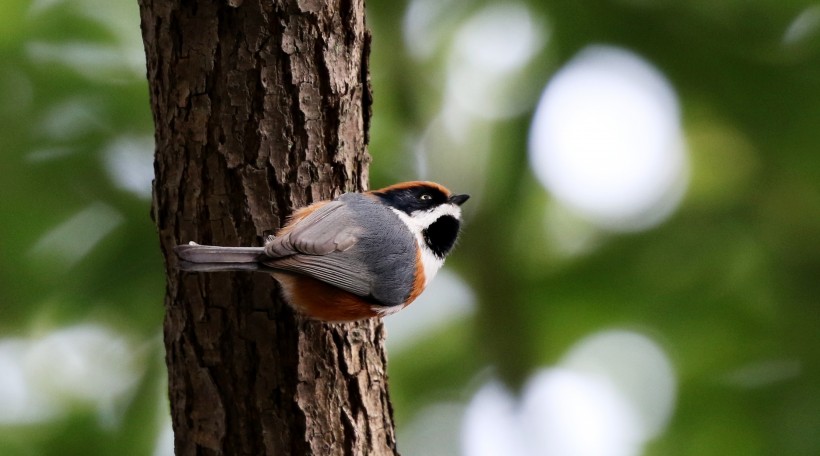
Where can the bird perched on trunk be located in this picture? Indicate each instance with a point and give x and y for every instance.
(360, 255)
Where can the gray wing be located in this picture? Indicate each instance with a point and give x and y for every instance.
(319, 245)
(330, 228)
(332, 269)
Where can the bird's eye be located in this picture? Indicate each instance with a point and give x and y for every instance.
(425, 197)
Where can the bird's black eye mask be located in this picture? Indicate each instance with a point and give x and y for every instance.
(413, 199)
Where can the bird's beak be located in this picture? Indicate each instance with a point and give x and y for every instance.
(459, 199)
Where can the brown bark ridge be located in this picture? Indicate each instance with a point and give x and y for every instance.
(260, 107)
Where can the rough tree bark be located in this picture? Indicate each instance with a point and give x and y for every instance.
(260, 106)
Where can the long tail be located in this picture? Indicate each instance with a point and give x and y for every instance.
(207, 258)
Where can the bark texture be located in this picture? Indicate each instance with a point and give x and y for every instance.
(260, 107)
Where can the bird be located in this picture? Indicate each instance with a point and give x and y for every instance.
(358, 256)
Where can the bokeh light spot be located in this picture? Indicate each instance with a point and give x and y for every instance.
(568, 413)
(611, 393)
(804, 28)
(73, 239)
(636, 366)
(491, 424)
(489, 50)
(85, 365)
(447, 299)
(606, 140)
(129, 161)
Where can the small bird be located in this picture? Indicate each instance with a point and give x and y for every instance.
(358, 256)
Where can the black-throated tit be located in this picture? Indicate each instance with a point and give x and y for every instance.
(360, 255)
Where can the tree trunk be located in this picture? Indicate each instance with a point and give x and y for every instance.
(260, 107)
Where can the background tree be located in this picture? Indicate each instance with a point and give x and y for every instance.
(260, 107)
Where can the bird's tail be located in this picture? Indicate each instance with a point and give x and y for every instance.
(208, 258)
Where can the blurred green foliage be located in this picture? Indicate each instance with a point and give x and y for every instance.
(67, 92)
(731, 280)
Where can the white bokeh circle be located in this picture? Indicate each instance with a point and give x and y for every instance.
(606, 140)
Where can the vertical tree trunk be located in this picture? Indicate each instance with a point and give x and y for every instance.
(260, 106)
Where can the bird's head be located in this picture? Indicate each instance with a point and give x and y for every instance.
(430, 210)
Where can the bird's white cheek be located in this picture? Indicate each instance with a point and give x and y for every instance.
(416, 225)
(431, 264)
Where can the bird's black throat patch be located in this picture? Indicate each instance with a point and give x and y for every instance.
(441, 235)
